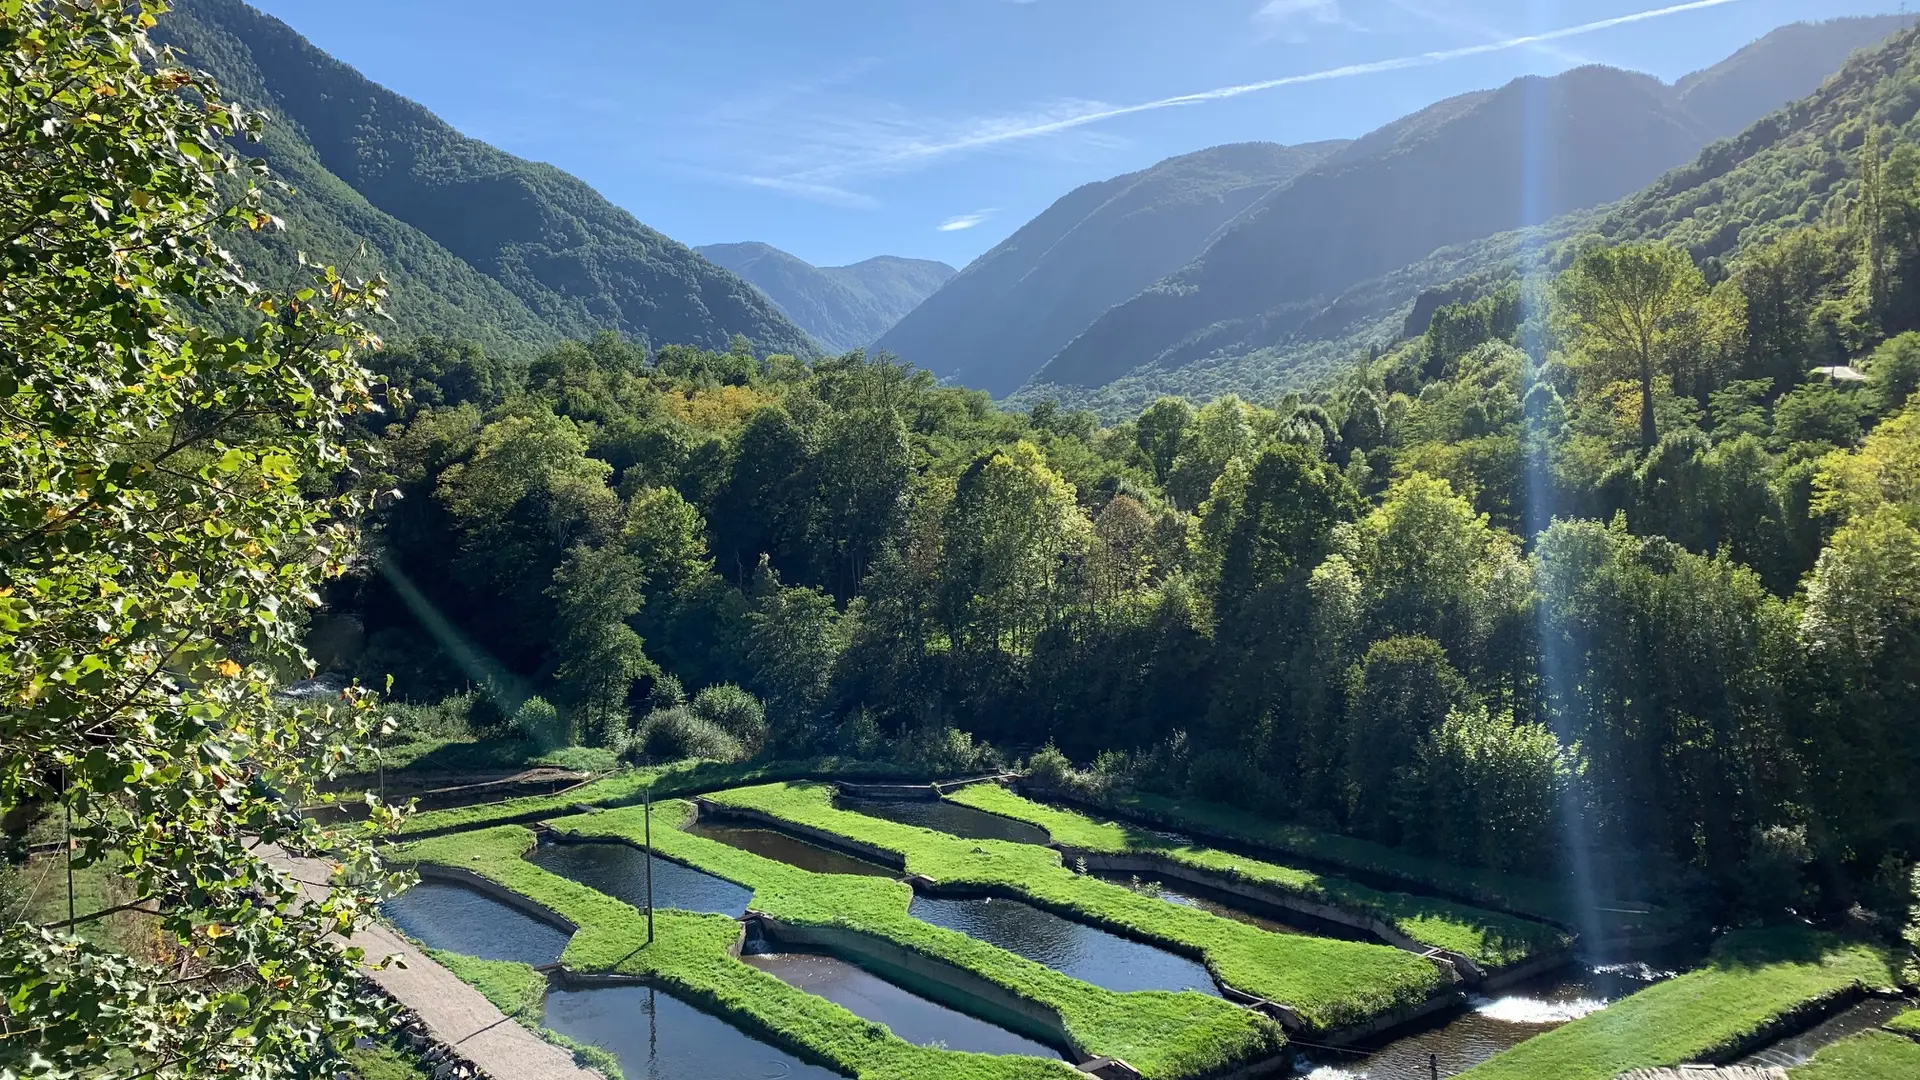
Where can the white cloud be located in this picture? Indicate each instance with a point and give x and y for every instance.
(1290, 19)
(965, 221)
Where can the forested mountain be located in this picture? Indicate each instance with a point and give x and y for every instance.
(1009, 310)
(476, 241)
(1468, 167)
(842, 307)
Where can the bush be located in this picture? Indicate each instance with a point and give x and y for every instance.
(666, 693)
(1048, 767)
(735, 712)
(945, 752)
(539, 723)
(672, 734)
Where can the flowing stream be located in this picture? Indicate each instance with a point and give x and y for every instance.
(1488, 1025)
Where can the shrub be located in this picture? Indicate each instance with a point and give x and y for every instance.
(1048, 767)
(945, 751)
(671, 734)
(539, 723)
(735, 712)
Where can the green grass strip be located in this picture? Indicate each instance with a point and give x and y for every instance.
(1163, 1034)
(1488, 938)
(1523, 895)
(1907, 1023)
(626, 788)
(1870, 1055)
(690, 958)
(1753, 978)
(1330, 983)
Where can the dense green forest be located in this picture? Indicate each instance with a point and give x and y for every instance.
(1603, 553)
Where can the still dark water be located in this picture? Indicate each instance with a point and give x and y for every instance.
(1073, 949)
(1207, 900)
(657, 1037)
(951, 818)
(1488, 1025)
(457, 919)
(787, 849)
(620, 871)
(910, 1016)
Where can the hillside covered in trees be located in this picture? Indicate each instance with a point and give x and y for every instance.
(841, 307)
(1434, 602)
(1324, 264)
(475, 241)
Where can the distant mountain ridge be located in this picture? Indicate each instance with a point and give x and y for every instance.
(1730, 194)
(1008, 311)
(1263, 279)
(841, 307)
(476, 242)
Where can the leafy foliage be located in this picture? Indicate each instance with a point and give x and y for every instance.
(167, 509)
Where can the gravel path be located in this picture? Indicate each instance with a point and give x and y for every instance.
(457, 1014)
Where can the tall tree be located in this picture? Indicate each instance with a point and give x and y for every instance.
(166, 513)
(1626, 306)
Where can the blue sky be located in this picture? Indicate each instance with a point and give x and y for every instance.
(842, 129)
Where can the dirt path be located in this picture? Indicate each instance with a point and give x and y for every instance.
(457, 1014)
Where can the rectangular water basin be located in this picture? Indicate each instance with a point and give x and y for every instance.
(950, 818)
(912, 1017)
(658, 1037)
(454, 918)
(793, 851)
(1072, 948)
(620, 871)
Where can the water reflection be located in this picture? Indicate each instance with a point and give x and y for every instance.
(1488, 1025)
(457, 919)
(950, 818)
(1071, 948)
(783, 848)
(913, 1018)
(620, 871)
(658, 1037)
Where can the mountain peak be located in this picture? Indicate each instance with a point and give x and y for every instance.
(842, 307)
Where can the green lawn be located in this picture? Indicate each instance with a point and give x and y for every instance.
(1178, 1034)
(626, 788)
(1751, 978)
(1489, 938)
(1510, 892)
(1870, 1055)
(1330, 983)
(1907, 1023)
(381, 1062)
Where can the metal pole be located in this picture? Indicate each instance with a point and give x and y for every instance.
(68, 796)
(648, 829)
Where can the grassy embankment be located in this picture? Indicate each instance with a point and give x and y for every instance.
(1516, 893)
(1162, 1034)
(1329, 983)
(1171, 1035)
(1907, 1023)
(1753, 978)
(1870, 1055)
(626, 788)
(1488, 938)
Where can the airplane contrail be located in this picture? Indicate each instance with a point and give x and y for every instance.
(1346, 71)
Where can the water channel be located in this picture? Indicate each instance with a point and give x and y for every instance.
(780, 847)
(620, 871)
(1798, 1049)
(1240, 910)
(1487, 1025)
(1071, 948)
(951, 818)
(454, 918)
(914, 1018)
(658, 1037)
